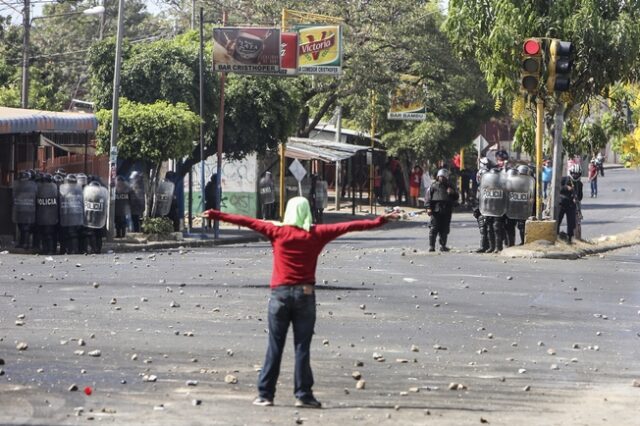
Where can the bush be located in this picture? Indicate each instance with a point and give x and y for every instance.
(157, 225)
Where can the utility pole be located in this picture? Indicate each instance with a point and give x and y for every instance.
(113, 151)
(26, 23)
(539, 137)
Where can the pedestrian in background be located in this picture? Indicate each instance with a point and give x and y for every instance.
(547, 173)
(296, 246)
(593, 177)
(414, 185)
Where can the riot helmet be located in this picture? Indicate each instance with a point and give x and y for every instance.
(575, 171)
(522, 169)
(502, 155)
(443, 173)
(70, 178)
(47, 177)
(58, 179)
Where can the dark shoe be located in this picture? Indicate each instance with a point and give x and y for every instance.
(432, 249)
(444, 248)
(263, 402)
(308, 402)
(482, 250)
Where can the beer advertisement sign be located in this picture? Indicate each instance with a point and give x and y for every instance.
(248, 50)
(407, 103)
(289, 53)
(320, 50)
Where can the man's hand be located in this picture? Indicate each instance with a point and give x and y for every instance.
(208, 214)
(429, 212)
(392, 215)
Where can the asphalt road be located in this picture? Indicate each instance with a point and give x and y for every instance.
(527, 341)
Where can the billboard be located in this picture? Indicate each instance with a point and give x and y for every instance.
(407, 103)
(289, 53)
(320, 50)
(247, 50)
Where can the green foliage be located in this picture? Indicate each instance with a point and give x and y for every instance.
(157, 225)
(524, 139)
(150, 132)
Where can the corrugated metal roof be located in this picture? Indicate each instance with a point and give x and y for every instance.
(313, 149)
(16, 120)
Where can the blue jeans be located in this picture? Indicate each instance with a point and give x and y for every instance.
(594, 187)
(296, 305)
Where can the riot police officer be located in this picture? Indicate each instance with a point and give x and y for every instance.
(442, 197)
(71, 214)
(47, 214)
(24, 207)
(570, 198)
(123, 207)
(96, 198)
(136, 199)
(267, 195)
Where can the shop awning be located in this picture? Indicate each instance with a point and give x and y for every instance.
(313, 149)
(16, 120)
(80, 149)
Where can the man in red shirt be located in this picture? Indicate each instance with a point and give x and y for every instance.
(296, 246)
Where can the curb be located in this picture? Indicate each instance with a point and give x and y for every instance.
(190, 243)
(562, 250)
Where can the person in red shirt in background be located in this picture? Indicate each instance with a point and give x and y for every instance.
(296, 243)
(414, 185)
(593, 177)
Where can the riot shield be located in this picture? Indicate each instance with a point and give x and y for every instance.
(47, 204)
(82, 179)
(322, 198)
(520, 196)
(493, 200)
(24, 202)
(122, 207)
(71, 205)
(96, 198)
(136, 196)
(266, 191)
(163, 198)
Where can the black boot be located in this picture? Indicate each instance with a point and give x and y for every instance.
(443, 243)
(484, 236)
(432, 240)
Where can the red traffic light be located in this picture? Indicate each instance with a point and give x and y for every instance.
(532, 46)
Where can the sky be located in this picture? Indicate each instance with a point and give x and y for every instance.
(14, 8)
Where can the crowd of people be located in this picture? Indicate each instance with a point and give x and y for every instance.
(67, 213)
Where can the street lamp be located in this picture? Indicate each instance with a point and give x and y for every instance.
(26, 22)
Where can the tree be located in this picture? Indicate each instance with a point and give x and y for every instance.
(151, 133)
(383, 40)
(605, 35)
(260, 111)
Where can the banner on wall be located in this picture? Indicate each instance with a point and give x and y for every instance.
(407, 103)
(320, 50)
(247, 50)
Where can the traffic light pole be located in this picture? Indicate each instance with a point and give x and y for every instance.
(557, 159)
(539, 137)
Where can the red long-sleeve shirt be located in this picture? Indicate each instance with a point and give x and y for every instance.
(296, 251)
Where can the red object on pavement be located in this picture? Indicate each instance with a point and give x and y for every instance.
(88, 391)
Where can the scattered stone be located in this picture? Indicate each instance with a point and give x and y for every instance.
(576, 346)
(522, 371)
(402, 360)
(551, 351)
(19, 323)
(325, 342)
(81, 342)
(192, 383)
(113, 301)
(95, 285)
(22, 346)
(149, 378)
(73, 388)
(174, 304)
(414, 389)
(635, 383)
(196, 402)
(457, 386)
(439, 347)
(363, 307)
(230, 379)
(414, 348)
(134, 357)
(360, 384)
(95, 353)
(555, 367)
(356, 375)
(79, 352)
(540, 343)
(527, 388)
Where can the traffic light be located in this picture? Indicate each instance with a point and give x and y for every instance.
(531, 65)
(559, 69)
